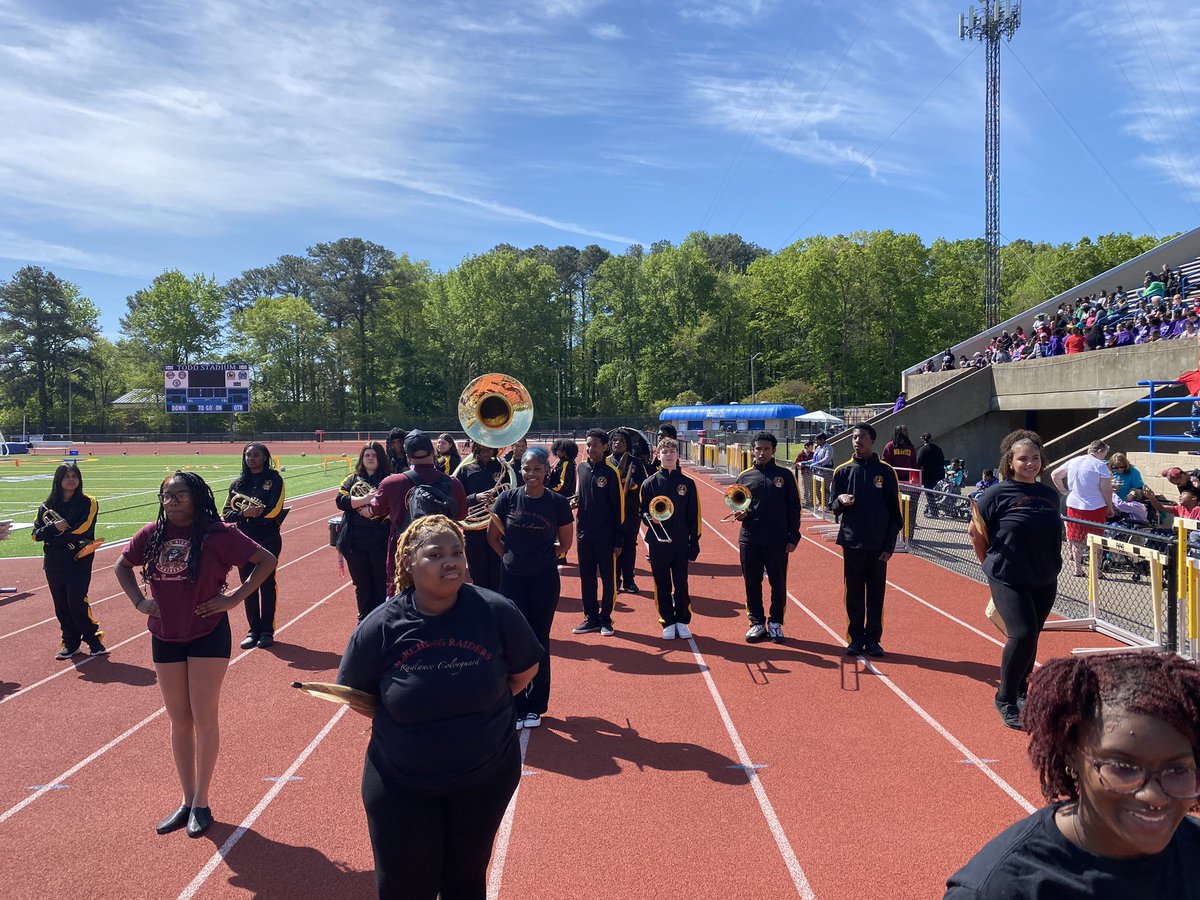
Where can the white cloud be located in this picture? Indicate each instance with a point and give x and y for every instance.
(21, 247)
(724, 12)
(606, 31)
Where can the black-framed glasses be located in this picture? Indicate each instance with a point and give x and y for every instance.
(1180, 782)
(168, 496)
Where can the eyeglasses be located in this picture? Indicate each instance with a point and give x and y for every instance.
(178, 496)
(1180, 782)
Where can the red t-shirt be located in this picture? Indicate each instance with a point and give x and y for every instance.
(1075, 343)
(225, 548)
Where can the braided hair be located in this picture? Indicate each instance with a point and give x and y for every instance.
(411, 539)
(204, 517)
(268, 463)
(1068, 695)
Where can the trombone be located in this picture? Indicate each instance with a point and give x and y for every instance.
(737, 498)
(658, 511)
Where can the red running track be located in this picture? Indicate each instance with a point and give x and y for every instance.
(703, 768)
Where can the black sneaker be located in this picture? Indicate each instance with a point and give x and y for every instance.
(873, 649)
(1010, 714)
(587, 626)
(98, 649)
(631, 588)
(606, 629)
(266, 639)
(65, 654)
(855, 647)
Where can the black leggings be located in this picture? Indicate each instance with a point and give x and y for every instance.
(367, 563)
(430, 842)
(1024, 609)
(536, 596)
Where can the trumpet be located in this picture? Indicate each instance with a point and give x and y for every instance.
(659, 510)
(737, 498)
(50, 517)
(239, 503)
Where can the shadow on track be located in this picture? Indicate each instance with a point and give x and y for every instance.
(586, 747)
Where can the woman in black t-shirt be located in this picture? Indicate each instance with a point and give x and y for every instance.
(1117, 736)
(1017, 532)
(530, 527)
(362, 540)
(443, 660)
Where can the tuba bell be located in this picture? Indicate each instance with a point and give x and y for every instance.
(737, 498)
(495, 410)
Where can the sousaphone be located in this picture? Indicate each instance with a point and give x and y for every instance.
(494, 410)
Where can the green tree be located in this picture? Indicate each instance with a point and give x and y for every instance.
(175, 320)
(47, 328)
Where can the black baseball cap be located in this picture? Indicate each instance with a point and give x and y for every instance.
(418, 443)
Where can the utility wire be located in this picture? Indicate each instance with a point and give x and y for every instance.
(1079, 138)
(759, 117)
(867, 158)
(808, 112)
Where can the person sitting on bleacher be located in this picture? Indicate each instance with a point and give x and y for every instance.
(1152, 286)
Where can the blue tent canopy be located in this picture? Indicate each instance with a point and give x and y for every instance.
(787, 411)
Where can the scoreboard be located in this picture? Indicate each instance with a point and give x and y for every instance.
(207, 388)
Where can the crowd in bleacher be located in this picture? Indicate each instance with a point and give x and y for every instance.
(1160, 310)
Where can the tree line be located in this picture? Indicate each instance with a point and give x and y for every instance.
(354, 335)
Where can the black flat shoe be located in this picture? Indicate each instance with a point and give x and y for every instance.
(199, 821)
(174, 821)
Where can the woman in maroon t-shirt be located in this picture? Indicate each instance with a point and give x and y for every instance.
(185, 557)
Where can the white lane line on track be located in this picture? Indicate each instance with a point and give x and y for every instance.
(504, 834)
(230, 842)
(91, 659)
(937, 726)
(122, 593)
(49, 786)
(799, 879)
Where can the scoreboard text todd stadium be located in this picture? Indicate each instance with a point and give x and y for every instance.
(207, 388)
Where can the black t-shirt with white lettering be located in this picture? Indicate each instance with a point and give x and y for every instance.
(445, 713)
(530, 529)
(1025, 533)
(1032, 860)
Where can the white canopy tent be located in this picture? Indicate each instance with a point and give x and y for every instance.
(820, 418)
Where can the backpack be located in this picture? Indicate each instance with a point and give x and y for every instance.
(430, 498)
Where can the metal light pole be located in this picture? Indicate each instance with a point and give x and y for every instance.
(71, 405)
(994, 21)
(753, 392)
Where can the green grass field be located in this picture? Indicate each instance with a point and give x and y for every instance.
(127, 488)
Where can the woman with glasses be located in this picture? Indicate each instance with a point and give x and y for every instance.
(1125, 476)
(185, 557)
(1115, 740)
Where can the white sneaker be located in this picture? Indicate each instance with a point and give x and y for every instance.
(520, 723)
(669, 633)
(532, 720)
(682, 631)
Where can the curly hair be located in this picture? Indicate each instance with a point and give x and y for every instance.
(1008, 447)
(1067, 696)
(204, 517)
(411, 538)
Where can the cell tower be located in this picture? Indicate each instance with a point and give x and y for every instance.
(994, 21)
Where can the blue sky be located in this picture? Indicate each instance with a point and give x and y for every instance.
(214, 135)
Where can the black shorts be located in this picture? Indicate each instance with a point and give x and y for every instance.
(217, 644)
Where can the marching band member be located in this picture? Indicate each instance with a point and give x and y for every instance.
(391, 500)
(599, 526)
(516, 452)
(669, 559)
(633, 473)
(259, 519)
(362, 540)
(395, 450)
(561, 478)
(524, 527)
(65, 524)
(448, 458)
(770, 531)
(483, 475)
(185, 557)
